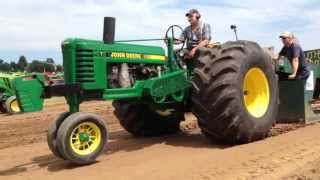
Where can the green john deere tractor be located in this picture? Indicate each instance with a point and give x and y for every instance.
(8, 101)
(231, 88)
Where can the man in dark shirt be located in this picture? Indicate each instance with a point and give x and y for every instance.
(293, 51)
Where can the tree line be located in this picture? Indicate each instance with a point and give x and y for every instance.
(22, 65)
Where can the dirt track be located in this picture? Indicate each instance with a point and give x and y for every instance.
(24, 153)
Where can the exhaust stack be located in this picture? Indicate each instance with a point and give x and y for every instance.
(109, 29)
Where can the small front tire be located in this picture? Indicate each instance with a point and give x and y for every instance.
(52, 134)
(82, 137)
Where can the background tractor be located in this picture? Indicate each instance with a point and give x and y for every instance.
(8, 101)
(231, 88)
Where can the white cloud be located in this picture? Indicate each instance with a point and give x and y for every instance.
(39, 25)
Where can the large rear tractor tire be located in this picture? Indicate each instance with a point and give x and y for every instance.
(141, 120)
(235, 92)
(82, 137)
(12, 105)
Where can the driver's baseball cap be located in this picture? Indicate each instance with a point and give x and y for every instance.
(286, 34)
(192, 11)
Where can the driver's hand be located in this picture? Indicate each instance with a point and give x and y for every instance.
(292, 76)
(276, 57)
(192, 53)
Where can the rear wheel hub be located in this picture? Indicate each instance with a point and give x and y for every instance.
(256, 93)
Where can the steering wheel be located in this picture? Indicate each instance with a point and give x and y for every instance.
(170, 33)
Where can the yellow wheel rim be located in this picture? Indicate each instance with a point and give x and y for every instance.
(85, 138)
(14, 106)
(256, 92)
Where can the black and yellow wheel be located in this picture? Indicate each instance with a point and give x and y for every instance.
(2, 107)
(141, 120)
(12, 105)
(235, 92)
(82, 137)
(52, 134)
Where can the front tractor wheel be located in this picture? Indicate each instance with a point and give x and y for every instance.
(82, 137)
(142, 120)
(235, 92)
(52, 134)
(12, 105)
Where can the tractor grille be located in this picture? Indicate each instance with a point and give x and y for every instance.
(7, 82)
(85, 67)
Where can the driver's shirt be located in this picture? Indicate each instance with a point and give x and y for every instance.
(193, 38)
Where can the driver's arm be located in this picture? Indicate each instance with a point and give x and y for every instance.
(202, 43)
(206, 37)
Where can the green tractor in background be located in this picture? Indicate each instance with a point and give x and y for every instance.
(8, 101)
(231, 88)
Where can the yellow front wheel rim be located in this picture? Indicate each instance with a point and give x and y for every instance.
(85, 138)
(256, 93)
(14, 106)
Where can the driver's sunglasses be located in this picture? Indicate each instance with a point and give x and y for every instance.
(190, 16)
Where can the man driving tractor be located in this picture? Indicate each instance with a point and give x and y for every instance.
(197, 35)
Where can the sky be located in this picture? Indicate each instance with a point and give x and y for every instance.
(36, 28)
